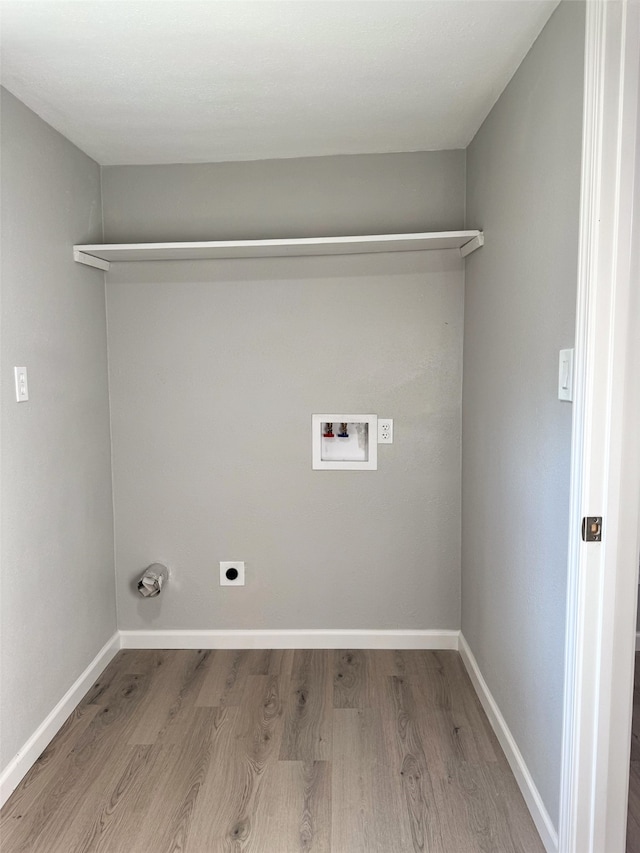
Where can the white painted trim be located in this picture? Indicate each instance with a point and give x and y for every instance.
(290, 639)
(18, 767)
(601, 591)
(523, 777)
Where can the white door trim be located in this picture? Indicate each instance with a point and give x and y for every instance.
(602, 577)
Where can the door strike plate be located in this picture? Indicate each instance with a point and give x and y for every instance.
(592, 528)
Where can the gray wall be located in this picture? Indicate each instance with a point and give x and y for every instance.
(523, 189)
(215, 371)
(57, 525)
(306, 197)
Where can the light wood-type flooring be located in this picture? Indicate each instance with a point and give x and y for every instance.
(273, 751)
(633, 817)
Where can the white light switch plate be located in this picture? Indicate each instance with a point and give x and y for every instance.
(22, 389)
(565, 375)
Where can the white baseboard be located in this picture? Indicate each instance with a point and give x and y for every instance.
(311, 639)
(51, 725)
(527, 786)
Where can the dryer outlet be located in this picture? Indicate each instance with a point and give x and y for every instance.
(232, 573)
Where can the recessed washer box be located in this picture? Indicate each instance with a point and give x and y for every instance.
(344, 442)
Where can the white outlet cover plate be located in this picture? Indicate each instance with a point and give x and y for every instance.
(385, 430)
(231, 564)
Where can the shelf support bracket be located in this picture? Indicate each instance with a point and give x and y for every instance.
(90, 260)
(472, 245)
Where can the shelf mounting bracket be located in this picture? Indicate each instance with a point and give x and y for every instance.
(90, 260)
(472, 245)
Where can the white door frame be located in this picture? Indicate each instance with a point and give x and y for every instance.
(603, 577)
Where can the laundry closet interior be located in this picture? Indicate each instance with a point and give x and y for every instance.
(170, 403)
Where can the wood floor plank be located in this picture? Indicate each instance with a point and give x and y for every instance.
(271, 661)
(99, 693)
(308, 708)
(481, 814)
(98, 820)
(351, 681)
(253, 751)
(351, 811)
(511, 821)
(293, 811)
(447, 739)
(465, 700)
(256, 742)
(470, 809)
(173, 683)
(635, 724)
(633, 816)
(367, 805)
(417, 784)
(277, 810)
(633, 810)
(413, 663)
(314, 831)
(179, 718)
(221, 787)
(433, 687)
(124, 826)
(226, 677)
(167, 710)
(181, 786)
(388, 662)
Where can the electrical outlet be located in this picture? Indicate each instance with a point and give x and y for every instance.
(385, 430)
(232, 573)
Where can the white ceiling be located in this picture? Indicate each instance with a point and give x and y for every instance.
(175, 81)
